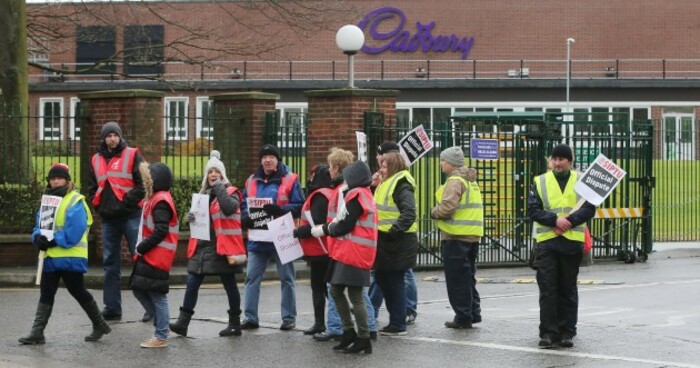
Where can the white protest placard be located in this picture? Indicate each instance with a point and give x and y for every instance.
(361, 146)
(199, 228)
(259, 231)
(281, 231)
(47, 215)
(415, 144)
(599, 180)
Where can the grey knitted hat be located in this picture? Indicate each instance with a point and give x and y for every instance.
(453, 155)
(213, 163)
(111, 127)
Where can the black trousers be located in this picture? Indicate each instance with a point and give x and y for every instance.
(73, 281)
(319, 292)
(459, 259)
(556, 277)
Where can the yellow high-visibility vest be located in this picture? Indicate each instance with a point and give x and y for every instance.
(553, 200)
(469, 217)
(384, 198)
(78, 250)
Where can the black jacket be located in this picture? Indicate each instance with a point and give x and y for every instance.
(110, 207)
(397, 249)
(205, 260)
(536, 212)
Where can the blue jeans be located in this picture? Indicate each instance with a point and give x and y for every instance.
(376, 296)
(459, 260)
(335, 326)
(112, 233)
(228, 280)
(257, 263)
(156, 304)
(393, 287)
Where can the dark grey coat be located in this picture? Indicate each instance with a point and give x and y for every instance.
(205, 260)
(397, 249)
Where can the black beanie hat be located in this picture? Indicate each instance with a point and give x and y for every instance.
(563, 151)
(387, 146)
(111, 127)
(269, 149)
(58, 170)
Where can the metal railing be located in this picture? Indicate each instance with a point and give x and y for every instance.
(388, 69)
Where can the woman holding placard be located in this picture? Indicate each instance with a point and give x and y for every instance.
(222, 254)
(352, 228)
(61, 233)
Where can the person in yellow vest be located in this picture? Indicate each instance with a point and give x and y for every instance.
(66, 255)
(460, 217)
(155, 252)
(559, 235)
(397, 243)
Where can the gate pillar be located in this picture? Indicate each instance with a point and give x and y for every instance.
(335, 115)
(139, 114)
(239, 124)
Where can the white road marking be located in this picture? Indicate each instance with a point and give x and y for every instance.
(550, 352)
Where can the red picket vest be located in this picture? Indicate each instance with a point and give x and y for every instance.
(283, 191)
(229, 236)
(312, 246)
(359, 247)
(163, 254)
(117, 171)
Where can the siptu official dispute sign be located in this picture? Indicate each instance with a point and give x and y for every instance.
(601, 178)
(415, 144)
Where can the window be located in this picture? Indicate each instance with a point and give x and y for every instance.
(143, 49)
(176, 118)
(205, 125)
(95, 45)
(50, 121)
(74, 127)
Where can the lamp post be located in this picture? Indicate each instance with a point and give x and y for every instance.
(569, 42)
(350, 39)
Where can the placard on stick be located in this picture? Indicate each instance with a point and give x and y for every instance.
(599, 180)
(415, 144)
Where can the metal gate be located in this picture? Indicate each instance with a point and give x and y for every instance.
(524, 141)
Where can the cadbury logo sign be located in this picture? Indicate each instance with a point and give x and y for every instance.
(400, 40)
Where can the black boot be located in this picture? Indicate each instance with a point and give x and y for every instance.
(99, 325)
(360, 345)
(348, 338)
(234, 324)
(36, 335)
(316, 328)
(183, 321)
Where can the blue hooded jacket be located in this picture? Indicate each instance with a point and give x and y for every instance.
(267, 188)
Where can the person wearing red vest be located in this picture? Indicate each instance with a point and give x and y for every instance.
(354, 230)
(319, 193)
(272, 180)
(220, 256)
(156, 250)
(115, 189)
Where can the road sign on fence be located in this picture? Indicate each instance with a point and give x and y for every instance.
(483, 149)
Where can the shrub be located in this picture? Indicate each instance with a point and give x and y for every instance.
(20, 203)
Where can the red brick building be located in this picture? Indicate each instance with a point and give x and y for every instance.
(629, 56)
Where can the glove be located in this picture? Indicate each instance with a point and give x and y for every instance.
(142, 248)
(218, 186)
(42, 242)
(190, 217)
(248, 222)
(317, 231)
(273, 210)
(303, 232)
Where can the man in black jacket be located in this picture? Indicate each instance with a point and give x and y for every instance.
(559, 233)
(116, 190)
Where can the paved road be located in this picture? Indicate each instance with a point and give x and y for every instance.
(639, 315)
